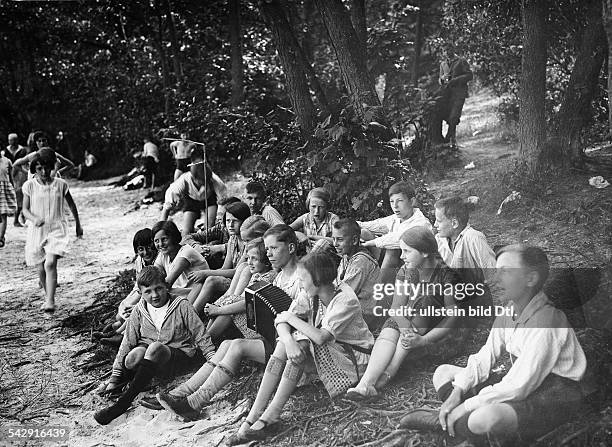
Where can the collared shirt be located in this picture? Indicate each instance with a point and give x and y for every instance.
(360, 272)
(273, 217)
(543, 343)
(157, 314)
(392, 228)
(185, 186)
(471, 254)
(323, 229)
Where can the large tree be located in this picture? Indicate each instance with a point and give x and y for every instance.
(237, 95)
(532, 93)
(607, 21)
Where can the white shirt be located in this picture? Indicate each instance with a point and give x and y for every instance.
(157, 314)
(185, 186)
(471, 251)
(392, 228)
(542, 341)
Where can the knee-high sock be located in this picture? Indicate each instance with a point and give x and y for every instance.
(291, 376)
(195, 381)
(144, 373)
(272, 375)
(220, 377)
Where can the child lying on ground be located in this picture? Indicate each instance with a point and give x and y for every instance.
(162, 332)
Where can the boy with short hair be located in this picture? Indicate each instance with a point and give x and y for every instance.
(162, 331)
(462, 247)
(542, 388)
(255, 196)
(402, 198)
(357, 267)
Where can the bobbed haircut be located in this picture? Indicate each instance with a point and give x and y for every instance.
(258, 244)
(349, 225)
(321, 266)
(255, 187)
(254, 227)
(142, 238)
(455, 208)
(168, 227)
(150, 275)
(283, 233)
(402, 187)
(239, 210)
(532, 258)
(44, 157)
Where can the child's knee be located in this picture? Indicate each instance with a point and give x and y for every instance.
(50, 262)
(213, 281)
(134, 357)
(488, 419)
(157, 348)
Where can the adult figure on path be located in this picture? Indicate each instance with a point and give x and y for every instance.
(455, 73)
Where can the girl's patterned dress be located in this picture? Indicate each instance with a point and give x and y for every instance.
(8, 200)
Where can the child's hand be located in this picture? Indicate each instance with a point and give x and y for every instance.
(198, 276)
(294, 352)
(79, 231)
(212, 310)
(283, 317)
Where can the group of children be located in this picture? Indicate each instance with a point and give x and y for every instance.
(183, 311)
(188, 306)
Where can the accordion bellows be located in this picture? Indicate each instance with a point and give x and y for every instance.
(263, 302)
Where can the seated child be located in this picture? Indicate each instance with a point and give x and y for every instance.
(163, 331)
(427, 332)
(188, 399)
(255, 196)
(145, 255)
(318, 222)
(177, 260)
(199, 189)
(232, 308)
(542, 387)
(357, 267)
(216, 282)
(461, 246)
(334, 341)
(402, 198)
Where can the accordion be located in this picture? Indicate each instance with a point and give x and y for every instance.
(263, 302)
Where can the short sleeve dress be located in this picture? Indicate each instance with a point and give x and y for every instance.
(49, 202)
(8, 200)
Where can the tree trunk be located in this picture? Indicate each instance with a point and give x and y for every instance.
(174, 43)
(418, 44)
(532, 118)
(292, 62)
(350, 57)
(576, 109)
(237, 69)
(607, 22)
(158, 42)
(358, 19)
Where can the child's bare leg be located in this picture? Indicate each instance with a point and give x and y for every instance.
(194, 292)
(51, 281)
(3, 220)
(394, 365)
(382, 353)
(218, 325)
(189, 218)
(42, 276)
(213, 288)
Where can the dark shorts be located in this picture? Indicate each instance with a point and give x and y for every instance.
(556, 401)
(181, 164)
(455, 107)
(197, 206)
(178, 363)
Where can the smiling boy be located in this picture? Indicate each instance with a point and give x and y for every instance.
(162, 331)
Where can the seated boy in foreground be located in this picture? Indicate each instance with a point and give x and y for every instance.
(540, 391)
(162, 332)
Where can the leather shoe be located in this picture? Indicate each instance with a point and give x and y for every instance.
(178, 406)
(421, 419)
(151, 403)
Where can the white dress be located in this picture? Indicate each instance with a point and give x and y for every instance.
(49, 203)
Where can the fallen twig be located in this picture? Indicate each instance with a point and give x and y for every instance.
(387, 438)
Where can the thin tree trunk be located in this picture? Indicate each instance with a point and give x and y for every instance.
(607, 22)
(532, 118)
(159, 45)
(174, 44)
(292, 61)
(237, 69)
(358, 19)
(418, 44)
(576, 109)
(350, 57)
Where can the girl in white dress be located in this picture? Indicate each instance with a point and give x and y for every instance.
(44, 201)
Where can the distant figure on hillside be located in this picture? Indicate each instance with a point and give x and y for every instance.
(150, 156)
(181, 150)
(84, 168)
(455, 73)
